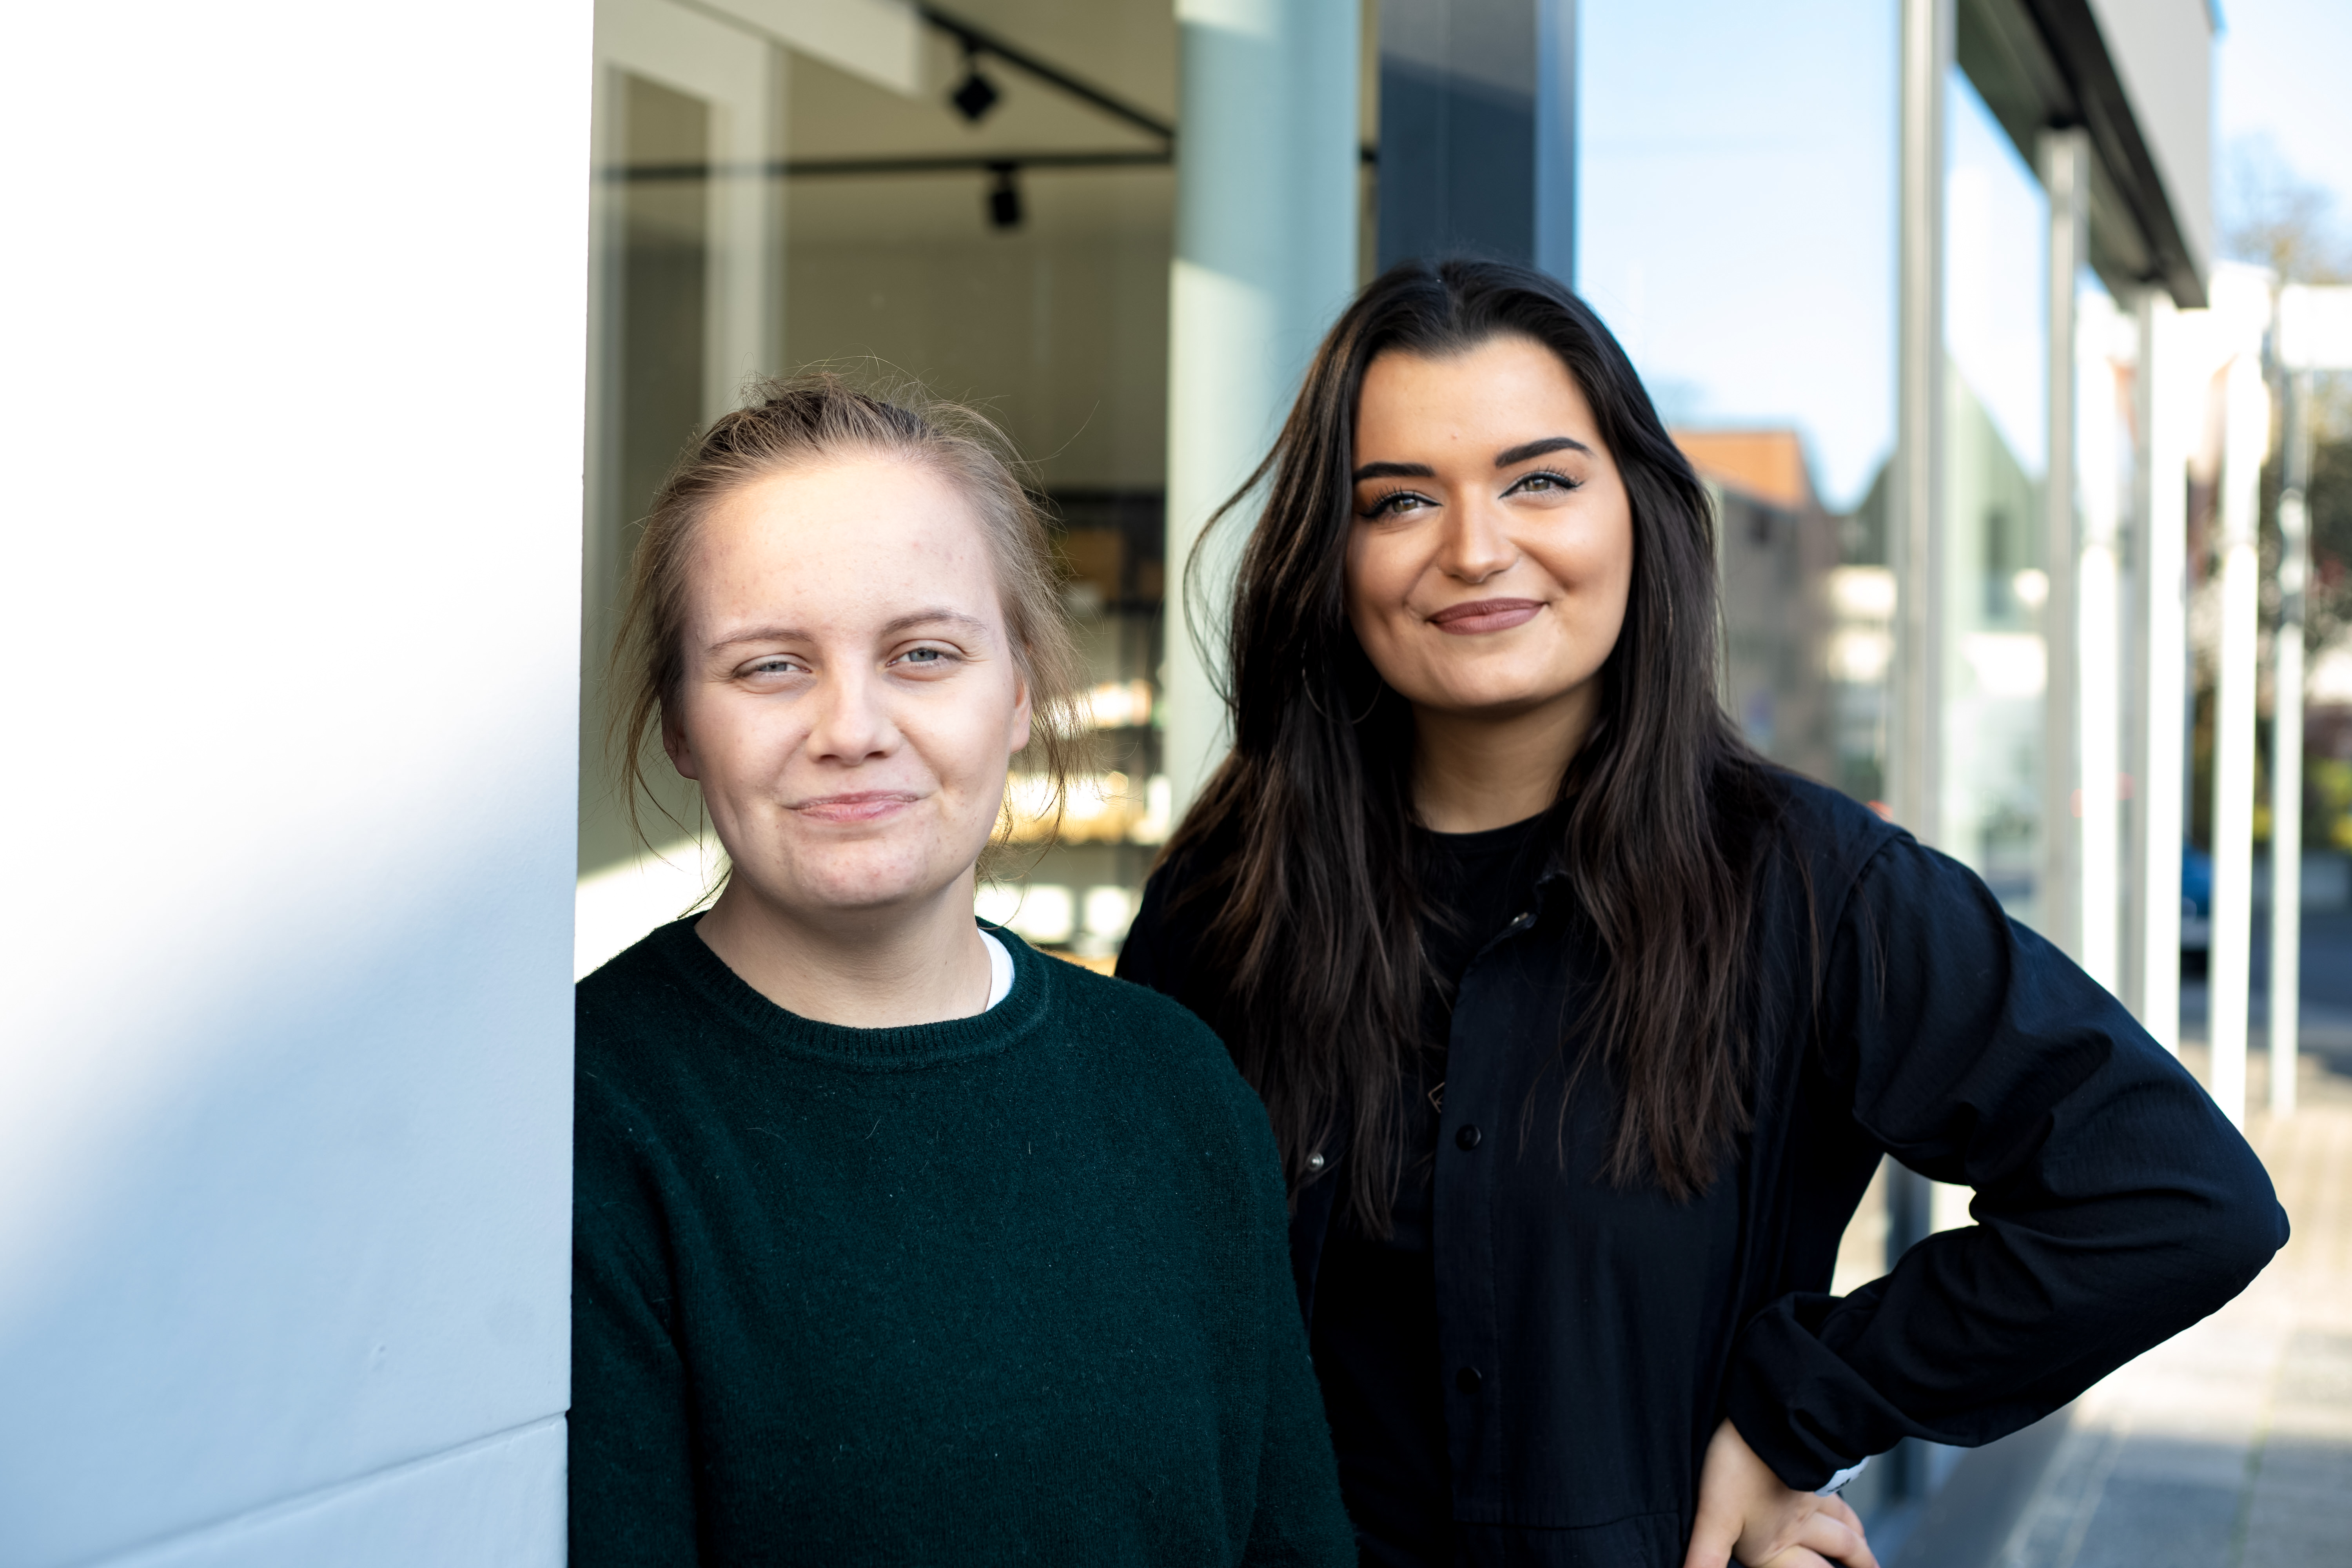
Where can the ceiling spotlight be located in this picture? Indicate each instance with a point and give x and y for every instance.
(975, 95)
(1004, 197)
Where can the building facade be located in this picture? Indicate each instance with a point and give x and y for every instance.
(1921, 285)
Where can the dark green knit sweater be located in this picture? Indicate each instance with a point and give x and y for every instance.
(1013, 1288)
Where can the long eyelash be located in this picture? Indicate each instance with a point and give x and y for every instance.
(1380, 506)
(1562, 481)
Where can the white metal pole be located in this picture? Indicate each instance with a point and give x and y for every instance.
(1267, 200)
(2249, 408)
(2099, 647)
(2168, 392)
(2065, 178)
(1915, 750)
(2286, 753)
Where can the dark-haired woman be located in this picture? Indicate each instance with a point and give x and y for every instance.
(1582, 1029)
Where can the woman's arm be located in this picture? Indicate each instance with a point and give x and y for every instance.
(2115, 1206)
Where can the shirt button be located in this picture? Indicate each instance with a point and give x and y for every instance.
(1466, 1137)
(1467, 1380)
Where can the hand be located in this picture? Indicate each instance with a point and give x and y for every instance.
(1745, 1512)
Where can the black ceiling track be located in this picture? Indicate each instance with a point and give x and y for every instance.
(979, 41)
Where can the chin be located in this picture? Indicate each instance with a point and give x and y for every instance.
(872, 874)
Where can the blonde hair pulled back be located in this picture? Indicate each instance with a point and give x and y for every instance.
(798, 423)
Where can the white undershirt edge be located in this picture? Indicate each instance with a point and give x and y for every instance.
(1837, 1483)
(1000, 971)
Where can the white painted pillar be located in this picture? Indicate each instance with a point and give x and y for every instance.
(2066, 180)
(1266, 202)
(1914, 751)
(2098, 658)
(290, 431)
(2286, 751)
(2169, 393)
(2248, 411)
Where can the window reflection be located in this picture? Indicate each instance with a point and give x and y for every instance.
(1736, 227)
(977, 197)
(1994, 588)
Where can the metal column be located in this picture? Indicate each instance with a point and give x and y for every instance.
(2166, 393)
(2286, 751)
(2066, 180)
(1914, 755)
(2249, 406)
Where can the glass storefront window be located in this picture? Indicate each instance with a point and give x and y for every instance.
(1995, 662)
(1736, 227)
(982, 203)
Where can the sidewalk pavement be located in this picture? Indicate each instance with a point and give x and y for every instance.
(2230, 1446)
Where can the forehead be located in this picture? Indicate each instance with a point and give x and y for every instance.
(841, 542)
(1508, 386)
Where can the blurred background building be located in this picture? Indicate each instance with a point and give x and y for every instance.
(1931, 291)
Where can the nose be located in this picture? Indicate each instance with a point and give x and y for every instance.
(853, 722)
(1477, 543)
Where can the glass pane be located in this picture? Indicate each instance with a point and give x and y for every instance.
(968, 223)
(1996, 422)
(1736, 227)
(653, 282)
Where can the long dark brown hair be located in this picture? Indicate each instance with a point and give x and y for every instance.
(1305, 836)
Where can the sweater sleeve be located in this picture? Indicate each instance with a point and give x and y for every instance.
(632, 1474)
(2113, 1203)
(1299, 1519)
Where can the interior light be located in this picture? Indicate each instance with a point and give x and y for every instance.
(975, 95)
(1004, 198)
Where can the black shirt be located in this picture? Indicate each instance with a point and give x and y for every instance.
(1589, 1335)
(1375, 1330)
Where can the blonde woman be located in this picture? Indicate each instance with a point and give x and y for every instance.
(896, 1242)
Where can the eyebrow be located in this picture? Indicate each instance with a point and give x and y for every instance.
(1521, 454)
(1395, 471)
(1503, 460)
(931, 617)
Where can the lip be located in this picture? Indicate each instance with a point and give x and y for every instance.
(1485, 615)
(863, 805)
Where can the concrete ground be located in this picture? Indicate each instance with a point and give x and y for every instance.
(2229, 1447)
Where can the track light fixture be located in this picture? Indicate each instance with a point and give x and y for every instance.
(975, 95)
(1004, 197)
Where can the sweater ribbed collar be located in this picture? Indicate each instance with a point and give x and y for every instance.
(891, 1049)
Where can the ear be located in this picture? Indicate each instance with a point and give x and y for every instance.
(674, 743)
(1018, 731)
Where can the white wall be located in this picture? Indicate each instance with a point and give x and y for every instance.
(290, 389)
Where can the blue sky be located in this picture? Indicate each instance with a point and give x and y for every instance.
(1736, 212)
(1736, 208)
(2285, 74)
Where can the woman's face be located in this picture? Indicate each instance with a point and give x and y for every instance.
(851, 700)
(1493, 545)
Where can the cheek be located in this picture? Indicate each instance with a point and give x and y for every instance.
(1374, 584)
(1595, 558)
(966, 739)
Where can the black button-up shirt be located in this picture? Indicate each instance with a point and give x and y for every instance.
(1590, 1337)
